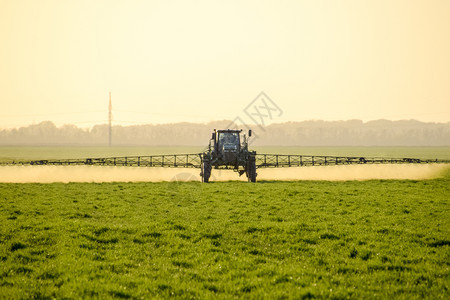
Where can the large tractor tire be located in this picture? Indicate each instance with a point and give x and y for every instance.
(251, 170)
(206, 171)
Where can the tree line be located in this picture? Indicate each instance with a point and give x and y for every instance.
(306, 133)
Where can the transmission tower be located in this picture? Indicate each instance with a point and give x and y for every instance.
(110, 120)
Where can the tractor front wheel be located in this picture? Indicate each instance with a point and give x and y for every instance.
(251, 170)
(206, 171)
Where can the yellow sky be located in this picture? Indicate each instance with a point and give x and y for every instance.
(197, 61)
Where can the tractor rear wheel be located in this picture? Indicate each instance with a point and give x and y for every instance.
(251, 170)
(206, 171)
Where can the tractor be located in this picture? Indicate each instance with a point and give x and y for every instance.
(228, 149)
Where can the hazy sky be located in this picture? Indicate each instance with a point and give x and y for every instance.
(197, 61)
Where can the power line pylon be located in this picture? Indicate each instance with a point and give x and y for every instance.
(110, 120)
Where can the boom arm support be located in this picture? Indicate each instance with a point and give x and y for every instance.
(282, 160)
(195, 161)
(174, 160)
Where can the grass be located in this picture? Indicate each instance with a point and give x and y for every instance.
(305, 239)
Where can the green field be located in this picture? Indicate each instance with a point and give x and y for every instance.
(304, 239)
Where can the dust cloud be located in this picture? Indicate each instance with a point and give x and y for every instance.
(49, 174)
(356, 172)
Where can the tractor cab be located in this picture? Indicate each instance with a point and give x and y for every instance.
(228, 149)
(226, 145)
(228, 141)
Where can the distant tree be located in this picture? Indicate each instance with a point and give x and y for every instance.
(306, 133)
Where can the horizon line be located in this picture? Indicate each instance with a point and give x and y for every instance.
(129, 124)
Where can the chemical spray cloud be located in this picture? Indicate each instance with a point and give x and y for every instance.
(65, 174)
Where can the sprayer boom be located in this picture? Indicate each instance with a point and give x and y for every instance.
(195, 160)
(228, 149)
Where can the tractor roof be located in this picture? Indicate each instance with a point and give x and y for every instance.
(229, 130)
